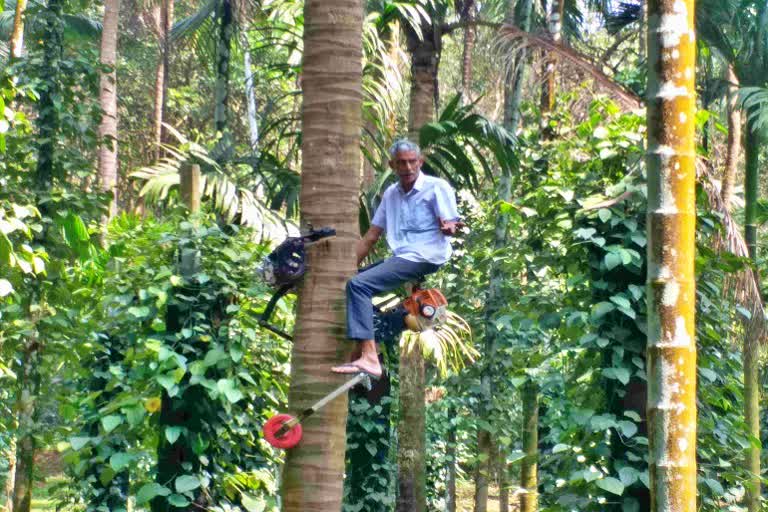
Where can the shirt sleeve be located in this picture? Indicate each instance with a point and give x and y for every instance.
(445, 199)
(380, 217)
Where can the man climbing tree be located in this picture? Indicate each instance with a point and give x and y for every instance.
(418, 214)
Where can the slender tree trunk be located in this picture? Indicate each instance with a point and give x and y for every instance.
(17, 35)
(501, 478)
(469, 45)
(493, 305)
(734, 137)
(513, 92)
(751, 351)
(550, 67)
(9, 481)
(313, 476)
(450, 485)
(108, 102)
(671, 246)
(411, 434)
(411, 454)
(225, 19)
(250, 96)
(157, 112)
(163, 16)
(529, 478)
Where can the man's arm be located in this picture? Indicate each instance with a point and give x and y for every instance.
(365, 244)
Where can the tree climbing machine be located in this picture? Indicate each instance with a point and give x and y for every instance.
(282, 269)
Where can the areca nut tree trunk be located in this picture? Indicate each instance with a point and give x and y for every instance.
(470, 34)
(750, 349)
(671, 219)
(17, 34)
(555, 20)
(529, 469)
(411, 449)
(108, 102)
(226, 28)
(331, 123)
(734, 136)
(163, 16)
(513, 90)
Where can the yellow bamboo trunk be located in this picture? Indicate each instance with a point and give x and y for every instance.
(671, 231)
(313, 476)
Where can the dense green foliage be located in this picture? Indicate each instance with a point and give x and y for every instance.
(131, 351)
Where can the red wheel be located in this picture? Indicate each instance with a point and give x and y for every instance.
(285, 441)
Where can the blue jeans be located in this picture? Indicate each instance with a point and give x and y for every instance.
(379, 278)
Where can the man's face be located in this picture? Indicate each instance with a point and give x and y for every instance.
(407, 165)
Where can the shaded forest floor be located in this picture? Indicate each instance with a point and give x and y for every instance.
(465, 498)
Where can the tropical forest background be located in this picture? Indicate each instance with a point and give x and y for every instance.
(134, 372)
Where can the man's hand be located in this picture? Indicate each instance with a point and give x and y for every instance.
(450, 227)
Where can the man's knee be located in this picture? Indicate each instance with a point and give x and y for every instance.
(355, 286)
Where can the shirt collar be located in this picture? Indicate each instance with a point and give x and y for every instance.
(417, 185)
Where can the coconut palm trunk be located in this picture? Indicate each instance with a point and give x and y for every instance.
(750, 349)
(734, 137)
(250, 94)
(108, 102)
(529, 469)
(671, 245)
(313, 475)
(17, 34)
(411, 453)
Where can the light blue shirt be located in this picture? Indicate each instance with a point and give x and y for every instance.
(411, 221)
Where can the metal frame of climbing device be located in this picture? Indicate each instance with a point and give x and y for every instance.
(284, 431)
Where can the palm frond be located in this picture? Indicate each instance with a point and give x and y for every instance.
(192, 24)
(745, 285)
(449, 346)
(511, 40)
(459, 133)
(624, 15)
(227, 197)
(754, 101)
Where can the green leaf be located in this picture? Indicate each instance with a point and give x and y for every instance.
(708, 374)
(5, 288)
(78, 442)
(111, 422)
(627, 428)
(611, 485)
(601, 309)
(172, 433)
(177, 500)
(120, 460)
(165, 380)
(229, 388)
(186, 483)
(253, 504)
(149, 491)
(628, 475)
(612, 260)
(716, 487)
(604, 214)
(560, 448)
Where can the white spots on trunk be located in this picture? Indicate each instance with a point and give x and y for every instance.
(683, 118)
(669, 90)
(670, 294)
(688, 73)
(674, 25)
